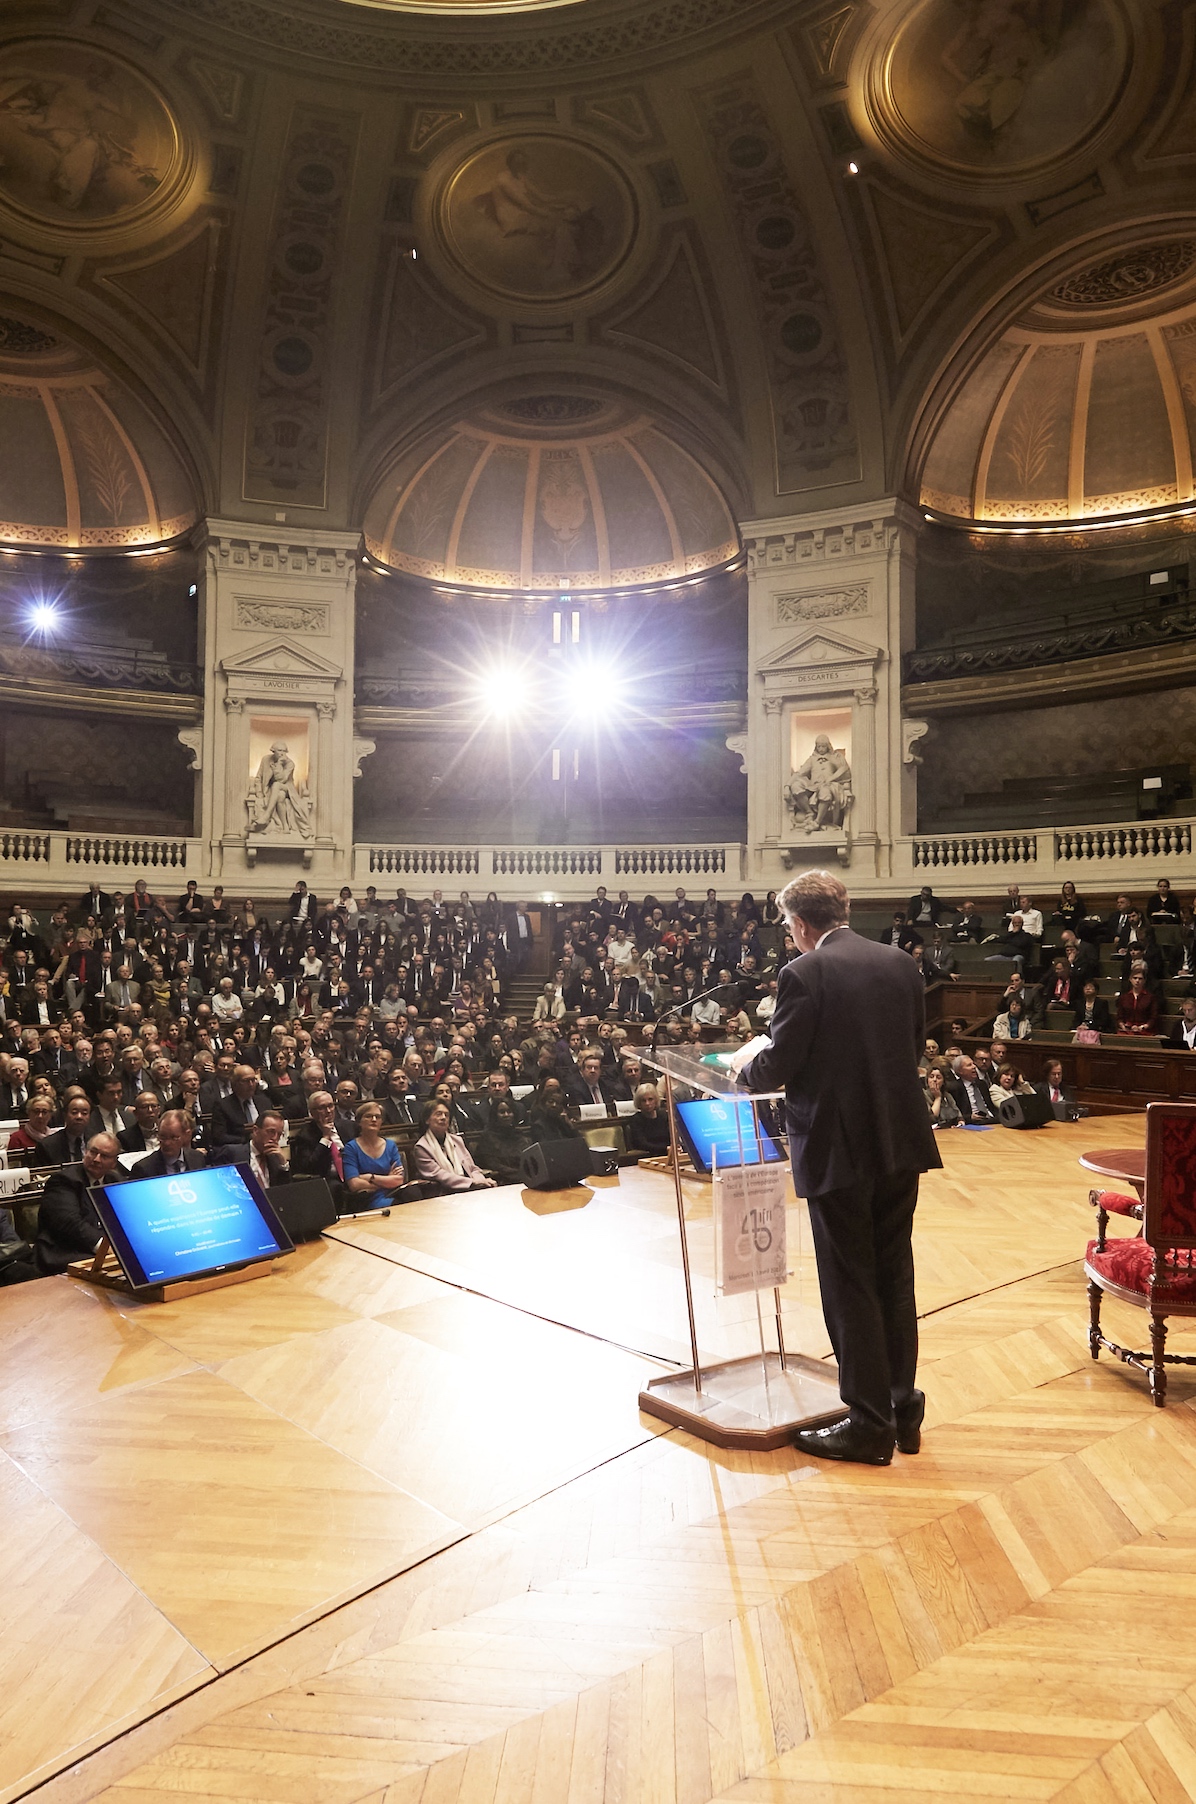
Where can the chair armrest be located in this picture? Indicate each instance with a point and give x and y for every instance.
(1112, 1202)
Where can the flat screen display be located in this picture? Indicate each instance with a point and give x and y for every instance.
(164, 1229)
(710, 1126)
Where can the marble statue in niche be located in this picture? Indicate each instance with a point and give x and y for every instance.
(819, 792)
(82, 136)
(277, 803)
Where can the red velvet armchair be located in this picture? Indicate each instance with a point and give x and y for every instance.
(1155, 1270)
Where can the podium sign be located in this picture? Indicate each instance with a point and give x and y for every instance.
(750, 1249)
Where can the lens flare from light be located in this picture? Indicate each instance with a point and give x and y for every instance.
(503, 691)
(597, 692)
(44, 618)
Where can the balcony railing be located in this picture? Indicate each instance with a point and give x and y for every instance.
(552, 867)
(97, 667)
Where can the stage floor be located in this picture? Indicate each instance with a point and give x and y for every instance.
(388, 1525)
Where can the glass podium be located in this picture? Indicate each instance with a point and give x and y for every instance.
(763, 1399)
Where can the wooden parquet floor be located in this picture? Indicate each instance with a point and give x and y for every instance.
(1007, 1616)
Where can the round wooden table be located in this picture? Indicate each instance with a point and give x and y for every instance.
(1126, 1163)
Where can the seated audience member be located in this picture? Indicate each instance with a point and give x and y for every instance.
(1015, 946)
(141, 1135)
(260, 1151)
(944, 1110)
(587, 1084)
(442, 1159)
(1162, 906)
(1061, 1096)
(930, 1053)
(400, 1105)
(1062, 988)
(1013, 1024)
(1069, 910)
(1137, 1008)
(925, 910)
(1083, 959)
(25, 1141)
(1092, 1011)
(235, 1114)
(108, 1116)
(375, 1170)
(987, 1063)
(647, 1131)
(901, 934)
(316, 1149)
(175, 1153)
(546, 1119)
(967, 925)
(1137, 942)
(969, 1091)
(503, 1142)
(1010, 1082)
(68, 1143)
(766, 1007)
(14, 1090)
(67, 1224)
(1182, 1037)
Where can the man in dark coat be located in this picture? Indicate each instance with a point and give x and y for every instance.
(175, 1154)
(847, 1033)
(67, 1224)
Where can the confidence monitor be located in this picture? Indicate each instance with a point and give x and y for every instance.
(192, 1226)
(725, 1127)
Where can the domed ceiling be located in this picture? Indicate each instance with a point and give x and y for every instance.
(551, 491)
(1085, 408)
(82, 464)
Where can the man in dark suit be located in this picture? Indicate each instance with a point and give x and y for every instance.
(37, 1009)
(234, 1115)
(141, 1136)
(901, 934)
(969, 1090)
(260, 1151)
(1061, 1096)
(925, 909)
(317, 1150)
(1182, 1037)
(175, 1153)
(847, 1033)
(68, 1143)
(14, 1091)
(94, 902)
(67, 1224)
(967, 925)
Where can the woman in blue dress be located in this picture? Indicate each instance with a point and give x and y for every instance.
(375, 1170)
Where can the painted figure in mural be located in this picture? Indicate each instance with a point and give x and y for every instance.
(85, 125)
(276, 803)
(995, 52)
(819, 792)
(520, 207)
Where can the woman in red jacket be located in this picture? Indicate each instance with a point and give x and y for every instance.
(1137, 1008)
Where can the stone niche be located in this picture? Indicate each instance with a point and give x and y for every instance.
(279, 754)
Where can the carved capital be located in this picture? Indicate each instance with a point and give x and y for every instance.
(326, 710)
(773, 704)
(234, 704)
(866, 697)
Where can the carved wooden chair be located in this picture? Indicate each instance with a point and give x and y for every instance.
(1156, 1269)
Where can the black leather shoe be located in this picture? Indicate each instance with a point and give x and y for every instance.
(909, 1424)
(857, 1441)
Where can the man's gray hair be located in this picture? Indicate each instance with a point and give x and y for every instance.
(818, 898)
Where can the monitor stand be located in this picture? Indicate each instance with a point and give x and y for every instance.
(105, 1270)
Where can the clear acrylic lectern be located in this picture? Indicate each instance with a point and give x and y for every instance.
(763, 1399)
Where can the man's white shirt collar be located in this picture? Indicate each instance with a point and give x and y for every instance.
(842, 926)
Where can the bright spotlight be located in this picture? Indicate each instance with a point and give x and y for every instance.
(43, 617)
(597, 692)
(502, 691)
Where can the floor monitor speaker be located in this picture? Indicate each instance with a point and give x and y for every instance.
(555, 1164)
(1025, 1111)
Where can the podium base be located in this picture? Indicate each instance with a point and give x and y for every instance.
(749, 1402)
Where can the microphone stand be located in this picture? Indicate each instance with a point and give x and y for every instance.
(679, 1008)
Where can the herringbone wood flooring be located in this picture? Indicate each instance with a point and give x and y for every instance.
(1006, 1616)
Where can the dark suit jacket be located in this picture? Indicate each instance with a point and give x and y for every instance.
(908, 936)
(30, 1011)
(1175, 1039)
(1102, 1015)
(238, 1153)
(154, 1164)
(310, 1158)
(847, 1033)
(963, 1102)
(228, 1118)
(54, 1149)
(1069, 1095)
(67, 1225)
(399, 1112)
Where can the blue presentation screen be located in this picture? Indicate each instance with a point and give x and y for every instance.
(710, 1125)
(163, 1229)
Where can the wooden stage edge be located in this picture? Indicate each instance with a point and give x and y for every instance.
(277, 1543)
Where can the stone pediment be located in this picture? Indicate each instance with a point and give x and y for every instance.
(278, 657)
(818, 645)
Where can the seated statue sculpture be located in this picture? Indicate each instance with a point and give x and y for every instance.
(819, 792)
(276, 803)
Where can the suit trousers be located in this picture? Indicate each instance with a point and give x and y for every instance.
(863, 1247)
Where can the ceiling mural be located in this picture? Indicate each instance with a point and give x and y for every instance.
(1085, 408)
(82, 464)
(86, 141)
(537, 217)
(547, 491)
(1000, 88)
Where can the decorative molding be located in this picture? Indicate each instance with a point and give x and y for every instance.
(634, 31)
(947, 662)
(865, 697)
(326, 709)
(1088, 679)
(286, 427)
(276, 657)
(789, 550)
(234, 704)
(281, 616)
(738, 743)
(362, 749)
(911, 732)
(191, 739)
(823, 604)
(230, 548)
